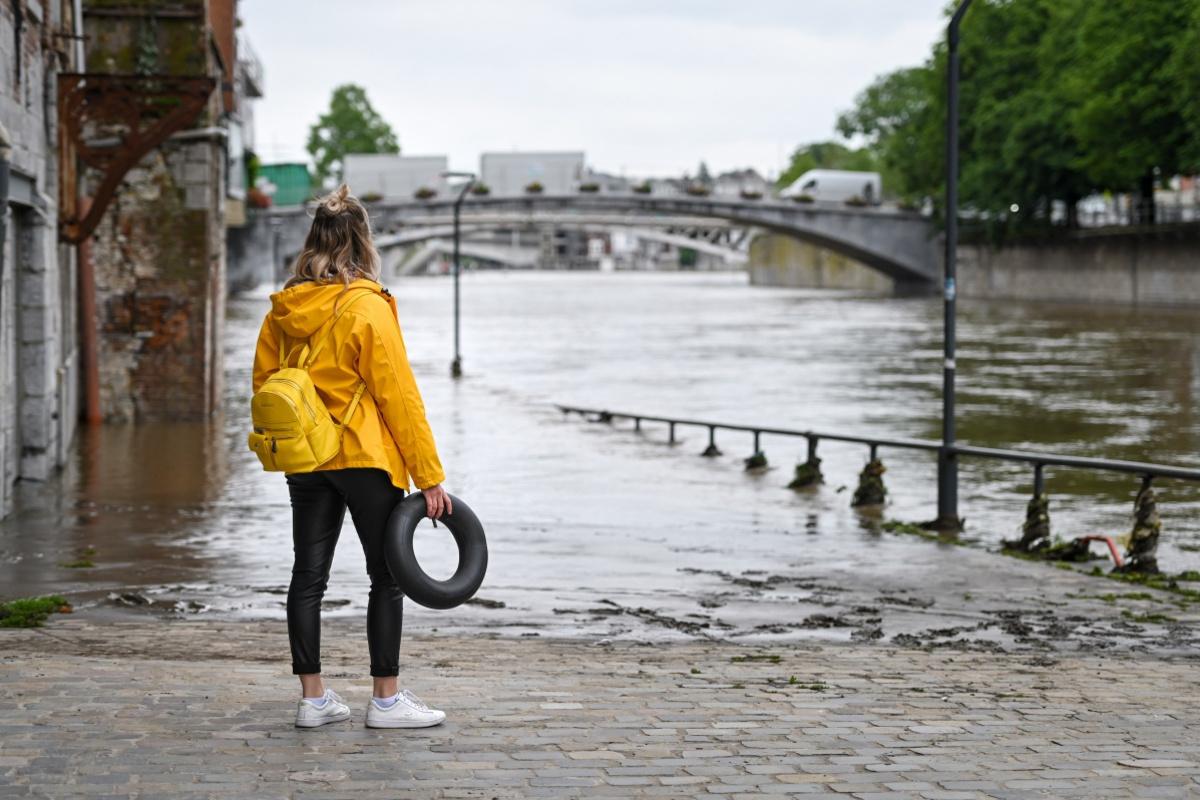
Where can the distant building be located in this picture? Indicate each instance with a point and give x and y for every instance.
(241, 84)
(607, 183)
(667, 187)
(735, 182)
(507, 174)
(385, 176)
(286, 184)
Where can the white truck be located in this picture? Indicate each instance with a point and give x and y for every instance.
(837, 185)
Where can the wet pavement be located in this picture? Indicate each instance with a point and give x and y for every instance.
(602, 532)
(198, 709)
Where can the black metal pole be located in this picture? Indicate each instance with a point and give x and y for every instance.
(5, 154)
(456, 364)
(947, 518)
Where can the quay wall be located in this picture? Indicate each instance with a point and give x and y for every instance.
(1156, 267)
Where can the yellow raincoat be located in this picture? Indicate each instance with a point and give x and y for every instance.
(388, 430)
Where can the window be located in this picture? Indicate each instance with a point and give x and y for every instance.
(18, 50)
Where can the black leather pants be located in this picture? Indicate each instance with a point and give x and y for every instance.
(319, 502)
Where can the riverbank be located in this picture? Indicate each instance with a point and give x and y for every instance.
(1100, 267)
(191, 709)
(602, 531)
(902, 590)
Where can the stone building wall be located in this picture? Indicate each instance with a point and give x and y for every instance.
(38, 353)
(159, 252)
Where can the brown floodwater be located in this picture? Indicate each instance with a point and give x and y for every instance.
(596, 529)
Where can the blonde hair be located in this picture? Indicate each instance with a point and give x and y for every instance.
(339, 246)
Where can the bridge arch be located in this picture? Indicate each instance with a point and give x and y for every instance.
(901, 245)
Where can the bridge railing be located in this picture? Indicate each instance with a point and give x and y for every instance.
(1143, 541)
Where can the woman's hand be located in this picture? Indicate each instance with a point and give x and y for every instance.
(437, 502)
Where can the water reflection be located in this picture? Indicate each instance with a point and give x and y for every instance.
(127, 501)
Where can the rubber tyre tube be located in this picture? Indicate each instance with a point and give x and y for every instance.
(402, 560)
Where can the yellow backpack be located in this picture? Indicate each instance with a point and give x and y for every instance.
(293, 431)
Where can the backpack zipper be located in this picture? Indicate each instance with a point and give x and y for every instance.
(311, 414)
(288, 400)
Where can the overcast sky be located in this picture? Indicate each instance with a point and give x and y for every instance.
(642, 86)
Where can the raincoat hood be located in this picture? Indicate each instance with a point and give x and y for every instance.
(301, 310)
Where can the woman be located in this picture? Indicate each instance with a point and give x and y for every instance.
(385, 440)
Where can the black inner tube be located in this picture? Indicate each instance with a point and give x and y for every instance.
(402, 560)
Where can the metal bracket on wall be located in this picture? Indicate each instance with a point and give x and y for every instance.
(108, 123)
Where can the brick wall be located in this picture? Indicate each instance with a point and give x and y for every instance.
(159, 252)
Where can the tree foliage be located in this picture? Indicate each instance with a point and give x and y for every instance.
(1059, 99)
(351, 125)
(1127, 110)
(899, 117)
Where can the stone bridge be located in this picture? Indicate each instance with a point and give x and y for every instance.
(902, 245)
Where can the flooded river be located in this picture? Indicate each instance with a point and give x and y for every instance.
(603, 531)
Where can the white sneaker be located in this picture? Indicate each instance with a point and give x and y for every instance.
(407, 712)
(311, 715)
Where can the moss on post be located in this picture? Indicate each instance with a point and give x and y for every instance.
(870, 491)
(1143, 540)
(756, 461)
(808, 473)
(1035, 531)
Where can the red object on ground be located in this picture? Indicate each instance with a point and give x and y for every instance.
(1112, 547)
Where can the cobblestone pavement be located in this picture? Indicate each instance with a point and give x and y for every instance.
(191, 709)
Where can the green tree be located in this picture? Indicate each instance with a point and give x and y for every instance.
(899, 116)
(1058, 99)
(824, 155)
(703, 176)
(1184, 71)
(1017, 150)
(351, 125)
(1128, 112)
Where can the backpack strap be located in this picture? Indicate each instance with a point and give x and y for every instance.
(358, 393)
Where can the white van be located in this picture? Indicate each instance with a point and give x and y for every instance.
(837, 185)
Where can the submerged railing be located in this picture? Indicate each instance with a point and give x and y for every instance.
(1143, 544)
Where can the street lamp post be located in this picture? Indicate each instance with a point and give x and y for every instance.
(456, 364)
(947, 518)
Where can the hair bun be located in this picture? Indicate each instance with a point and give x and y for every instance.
(336, 201)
